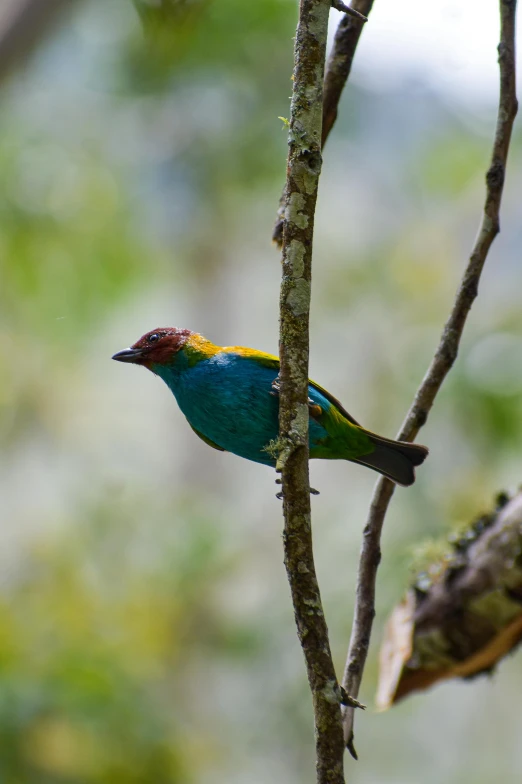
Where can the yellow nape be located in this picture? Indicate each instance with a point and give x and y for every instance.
(198, 348)
(252, 353)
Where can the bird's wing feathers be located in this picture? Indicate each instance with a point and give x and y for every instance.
(315, 410)
(333, 400)
(207, 440)
(269, 360)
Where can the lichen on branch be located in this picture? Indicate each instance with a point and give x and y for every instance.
(303, 170)
(337, 71)
(462, 612)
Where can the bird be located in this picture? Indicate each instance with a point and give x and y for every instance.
(229, 396)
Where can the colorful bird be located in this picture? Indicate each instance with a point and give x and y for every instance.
(229, 396)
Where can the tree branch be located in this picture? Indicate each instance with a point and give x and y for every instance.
(340, 63)
(440, 366)
(303, 169)
(464, 611)
(337, 72)
(348, 10)
(23, 24)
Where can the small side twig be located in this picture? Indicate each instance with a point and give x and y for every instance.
(346, 9)
(337, 72)
(23, 25)
(303, 170)
(340, 62)
(441, 364)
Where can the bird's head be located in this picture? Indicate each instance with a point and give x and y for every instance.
(158, 347)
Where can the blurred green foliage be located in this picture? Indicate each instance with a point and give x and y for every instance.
(92, 671)
(68, 245)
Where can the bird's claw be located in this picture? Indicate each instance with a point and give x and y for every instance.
(279, 495)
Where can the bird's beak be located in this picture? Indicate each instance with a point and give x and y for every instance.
(129, 355)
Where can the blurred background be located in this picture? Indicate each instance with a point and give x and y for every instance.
(146, 629)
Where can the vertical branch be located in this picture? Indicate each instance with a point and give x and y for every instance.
(441, 363)
(337, 72)
(303, 169)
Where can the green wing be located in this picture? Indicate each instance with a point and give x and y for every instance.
(270, 361)
(207, 440)
(333, 400)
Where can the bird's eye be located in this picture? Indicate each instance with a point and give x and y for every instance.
(153, 338)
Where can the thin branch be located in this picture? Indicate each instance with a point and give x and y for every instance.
(463, 612)
(348, 10)
(340, 63)
(337, 72)
(303, 170)
(23, 25)
(441, 364)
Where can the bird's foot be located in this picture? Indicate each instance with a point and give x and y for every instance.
(279, 495)
(315, 410)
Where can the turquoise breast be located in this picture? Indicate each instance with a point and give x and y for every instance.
(228, 399)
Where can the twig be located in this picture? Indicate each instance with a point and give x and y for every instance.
(441, 364)
(340, 63)
(303, 169)
(337, 71)
(23, 25)
(463, 613)
(346, 9)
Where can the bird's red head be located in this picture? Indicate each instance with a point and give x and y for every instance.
(157, 347)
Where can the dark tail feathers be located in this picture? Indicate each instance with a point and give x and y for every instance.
(395, 459)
